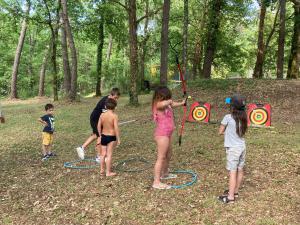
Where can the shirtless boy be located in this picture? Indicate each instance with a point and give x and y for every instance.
(109, 136)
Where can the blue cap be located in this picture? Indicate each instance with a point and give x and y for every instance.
(228, 100)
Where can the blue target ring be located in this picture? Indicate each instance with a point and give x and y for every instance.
(73, 164)
(190, 183)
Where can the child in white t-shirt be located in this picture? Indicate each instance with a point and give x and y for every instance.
(234, 127)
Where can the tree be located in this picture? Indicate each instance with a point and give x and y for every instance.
(185, 37)
(65, 57)
(42, 74)
(294, 58)
(212, 34)
(73, 90)
(164, 43)
(14, 91)
(281, 38)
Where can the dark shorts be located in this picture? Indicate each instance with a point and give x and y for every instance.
(106, 139)
(94, 125)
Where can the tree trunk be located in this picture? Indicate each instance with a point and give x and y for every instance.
(258, 69)
(198, 51)
(164, 43)
(14, 76)
(294, 59)
(281, 38)
(32, 42)
(144, 49)
(133, 94)
(212, 36)
(65, 57)
(108, 55)
(73, 90)
(99, 57)
(185, 38)
(42, 75)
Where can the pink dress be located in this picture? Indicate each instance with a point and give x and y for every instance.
(164, 122)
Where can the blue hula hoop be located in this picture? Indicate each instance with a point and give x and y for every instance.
(121, 164)
(72, 164)
(190, 183)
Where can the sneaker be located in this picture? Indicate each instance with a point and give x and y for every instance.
(51, 154)
(98, 158)
(45, 158)
(80, 152)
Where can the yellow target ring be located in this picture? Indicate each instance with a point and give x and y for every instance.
(199, 113)
(259, 116)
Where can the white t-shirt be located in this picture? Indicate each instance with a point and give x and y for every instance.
(231, 138)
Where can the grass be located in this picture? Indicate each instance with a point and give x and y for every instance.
(32, 192)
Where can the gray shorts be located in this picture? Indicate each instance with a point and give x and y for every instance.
(235, 158)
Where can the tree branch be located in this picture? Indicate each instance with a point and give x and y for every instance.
(148, 15)
(121, 4)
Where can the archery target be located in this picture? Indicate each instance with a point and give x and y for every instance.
(199, 113)
(259, 116)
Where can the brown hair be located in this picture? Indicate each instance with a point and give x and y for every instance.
(110, 104)
(49, 106)
(115, 92)
(237, 108)
(160, 94)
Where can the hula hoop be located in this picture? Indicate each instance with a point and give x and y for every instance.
(190, 183)
(123, 162)
(71, 165)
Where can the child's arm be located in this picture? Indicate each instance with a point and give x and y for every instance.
(163, 104)
(222, 129)
(99, 127)
(176, 104)
(116, 127)
(42, 121)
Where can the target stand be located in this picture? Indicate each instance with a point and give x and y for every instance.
(259, 115)
(199, 112)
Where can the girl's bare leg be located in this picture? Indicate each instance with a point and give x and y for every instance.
(162, 149)
(165, 169)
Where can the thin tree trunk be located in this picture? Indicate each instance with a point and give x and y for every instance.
(32, 42)
(133, 94)
(108, 55)
(213, 29)
(65, 57)
(294, 58)
(185, 38)
(99, 57)
(73, 90)
(144, 49)
(271, 33)
(14, 76)
(164, 43)
(281, 38)
(258, 69)
(198, 51)
(43, 74)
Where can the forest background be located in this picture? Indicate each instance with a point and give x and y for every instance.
(65, 49)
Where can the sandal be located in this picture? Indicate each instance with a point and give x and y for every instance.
(169, 176)
(226, 192)
(225, 199)
(161, 186)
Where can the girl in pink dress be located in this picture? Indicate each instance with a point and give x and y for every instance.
(162, 105)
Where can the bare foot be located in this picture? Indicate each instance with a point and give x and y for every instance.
(161, 186)
(111, 174)
(102, 173)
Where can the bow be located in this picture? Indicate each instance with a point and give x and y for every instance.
(183, 88)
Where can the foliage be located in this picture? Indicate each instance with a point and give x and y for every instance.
(235, 53)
